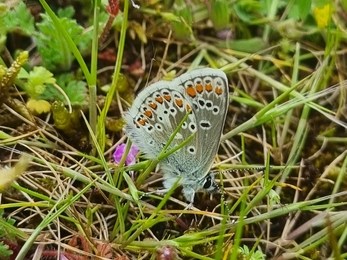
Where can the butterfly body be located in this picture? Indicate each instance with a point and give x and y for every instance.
(202, 97)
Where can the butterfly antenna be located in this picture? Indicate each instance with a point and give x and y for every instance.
(260, 168)
(220, 191)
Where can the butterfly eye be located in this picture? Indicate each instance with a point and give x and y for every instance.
(208, 183)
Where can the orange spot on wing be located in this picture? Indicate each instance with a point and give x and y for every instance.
(219, 91)
(199, 88)
(209, 87)
(191, 91)
(148, 113)
(179, 102)
(142, 121)
(152, 105)
(159, 100)
(167, 98)
(188, 107)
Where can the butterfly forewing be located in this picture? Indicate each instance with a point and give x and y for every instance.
(207, 92)
(156, 115)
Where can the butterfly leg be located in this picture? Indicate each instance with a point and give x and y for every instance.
(158, 192)
(189, 194)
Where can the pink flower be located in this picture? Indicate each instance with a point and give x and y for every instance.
(131, 157)
(167, 253)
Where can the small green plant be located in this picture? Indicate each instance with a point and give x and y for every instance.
(4, 250)
(51, 45)
(4, 230)
(75, 90)
(55, 52)
(220, 14)
(6, 234)
(182, 29)
(64, 120)
(245, 253)
(36, 83)
(18, 19)
(41, 87)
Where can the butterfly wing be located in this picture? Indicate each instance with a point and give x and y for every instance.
(208, 94)
(154, 116)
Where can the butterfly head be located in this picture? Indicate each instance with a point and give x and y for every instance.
(209, 183)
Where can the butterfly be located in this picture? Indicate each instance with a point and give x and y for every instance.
(201, 97)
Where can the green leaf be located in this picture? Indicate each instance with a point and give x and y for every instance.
(248, 45)
(5, 251)
(52, 46)
(74, 89)
(38, 106)
(67, 12)
(305, 7)
(5, 227)
(182, 29)
(248, 11)
(300, 9)
(77, 92)
(19, 19)
(37, 81)
(41, 75)
(220, 14)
